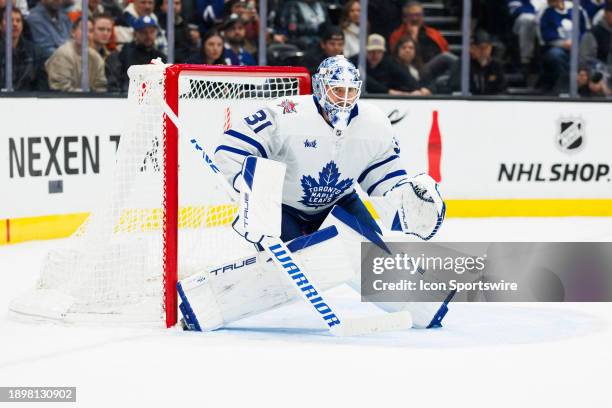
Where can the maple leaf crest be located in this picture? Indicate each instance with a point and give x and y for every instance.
(325, 190)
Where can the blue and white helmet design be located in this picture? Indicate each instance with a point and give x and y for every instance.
(337, 87)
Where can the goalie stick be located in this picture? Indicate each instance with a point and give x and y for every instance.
(287, 264)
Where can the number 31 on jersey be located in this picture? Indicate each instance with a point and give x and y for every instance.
(254, 121)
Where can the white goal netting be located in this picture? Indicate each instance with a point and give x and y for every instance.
(113, 267)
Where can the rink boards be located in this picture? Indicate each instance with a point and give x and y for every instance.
(492, 158)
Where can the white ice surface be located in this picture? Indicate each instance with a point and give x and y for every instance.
(487, 355)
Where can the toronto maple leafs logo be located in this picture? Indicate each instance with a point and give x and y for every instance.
(288, 106)
(318, 193)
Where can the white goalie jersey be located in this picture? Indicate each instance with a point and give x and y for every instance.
(323, 164)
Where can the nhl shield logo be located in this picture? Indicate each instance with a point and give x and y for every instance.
(570, 134)
(288, 106)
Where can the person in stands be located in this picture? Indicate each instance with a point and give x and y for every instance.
(140, 51)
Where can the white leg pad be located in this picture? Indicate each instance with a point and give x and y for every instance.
(252, 285)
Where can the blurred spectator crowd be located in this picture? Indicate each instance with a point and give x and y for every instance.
(519, 47)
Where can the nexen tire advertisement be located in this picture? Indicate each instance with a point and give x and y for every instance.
(56, 154)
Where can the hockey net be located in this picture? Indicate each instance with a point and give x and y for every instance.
(164, 216)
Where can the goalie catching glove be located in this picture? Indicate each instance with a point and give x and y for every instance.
(413, 206)
(260, 200)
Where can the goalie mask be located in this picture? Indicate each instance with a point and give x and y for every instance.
(337, 87)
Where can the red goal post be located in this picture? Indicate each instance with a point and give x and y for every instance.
(171, 85)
